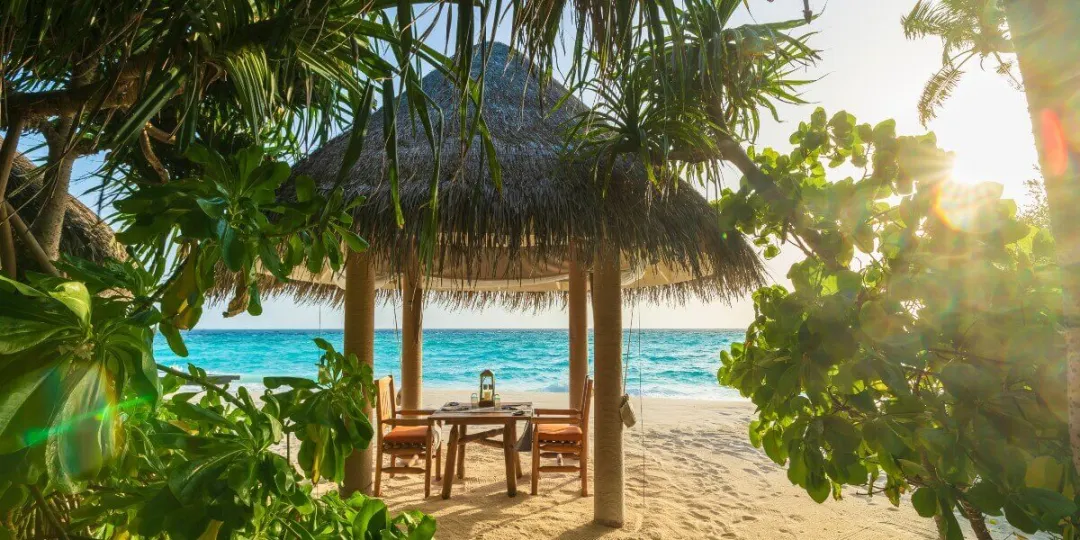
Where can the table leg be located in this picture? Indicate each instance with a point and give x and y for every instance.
(451, 461)
(517, 453)
(508, 455)
(463, 430)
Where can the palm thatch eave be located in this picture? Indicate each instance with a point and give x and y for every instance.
(548, 201)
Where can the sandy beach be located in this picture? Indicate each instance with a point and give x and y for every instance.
(691, 473)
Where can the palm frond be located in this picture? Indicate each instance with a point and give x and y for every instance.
(937, 90)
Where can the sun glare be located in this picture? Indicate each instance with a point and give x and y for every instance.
(967, 169)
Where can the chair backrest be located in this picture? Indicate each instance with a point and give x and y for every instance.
(385, 407)
(586, 403)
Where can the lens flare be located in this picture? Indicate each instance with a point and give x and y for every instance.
(968, 208)
(1055, 145)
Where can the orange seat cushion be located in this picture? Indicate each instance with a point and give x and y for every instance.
(559, 432)
(407, 435)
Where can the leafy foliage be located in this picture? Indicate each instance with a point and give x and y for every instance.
(191, 464)
(228, 216)
(918, 351)
(327, 414)
(672, 103)
(1037, 211)
(83, 411)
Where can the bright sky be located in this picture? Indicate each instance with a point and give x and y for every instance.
(869, 69)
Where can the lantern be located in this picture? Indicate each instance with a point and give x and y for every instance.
(487, 388)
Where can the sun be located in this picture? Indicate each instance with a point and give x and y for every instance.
(968, 169)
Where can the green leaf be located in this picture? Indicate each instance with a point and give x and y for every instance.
(425, 530)
(361, 104)
(353, 240)
(214, 207)
(233, 249)
(75, 297)
(15, 394)
(241, 477)
(818, 488)
(295, 382)
(884, 133)
(966, 381)
(85, 433)
(986, 497)
(840, 434)
(1051, 503)
(370, 517)
(1020, 519)
(324, 345)
(1044, 472)
(305, 188)
(254, 307)
(22, 334)
(925, 502)
(774, 447)
(172, 336)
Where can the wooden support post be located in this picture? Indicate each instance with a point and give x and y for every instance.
(577, 305)
(412, 338)
(607, 358)
(360, 340)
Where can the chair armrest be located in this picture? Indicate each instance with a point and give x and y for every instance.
(407, 422)
(416, 412)
(564, 412)
(556, 420)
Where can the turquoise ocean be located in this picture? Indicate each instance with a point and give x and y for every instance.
(660, 363)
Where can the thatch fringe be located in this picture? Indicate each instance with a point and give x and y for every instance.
(307, 293)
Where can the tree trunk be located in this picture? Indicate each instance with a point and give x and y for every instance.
(942, 526)
(577, 305)
(412, 338)
(50, 222)
(8, 149)
(608, 505)
(977, 520)
(360, 340)
(1044, 34)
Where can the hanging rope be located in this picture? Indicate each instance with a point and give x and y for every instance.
(629, 336)
(641, 391)
(641, 407)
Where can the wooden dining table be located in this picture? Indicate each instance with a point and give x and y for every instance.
(458, 417)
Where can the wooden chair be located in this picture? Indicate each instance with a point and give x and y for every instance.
(563, 433)
(410, 435)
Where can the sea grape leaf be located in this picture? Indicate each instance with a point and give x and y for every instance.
(925, 501)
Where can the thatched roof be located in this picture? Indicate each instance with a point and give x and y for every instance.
(546, 201)
(84, 234)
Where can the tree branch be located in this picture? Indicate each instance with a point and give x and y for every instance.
(31, 242)
(121, 90)
(160, 135)
(37, 105)
(205, 384)
(7, 160)
(151, 157)
(48, 511)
